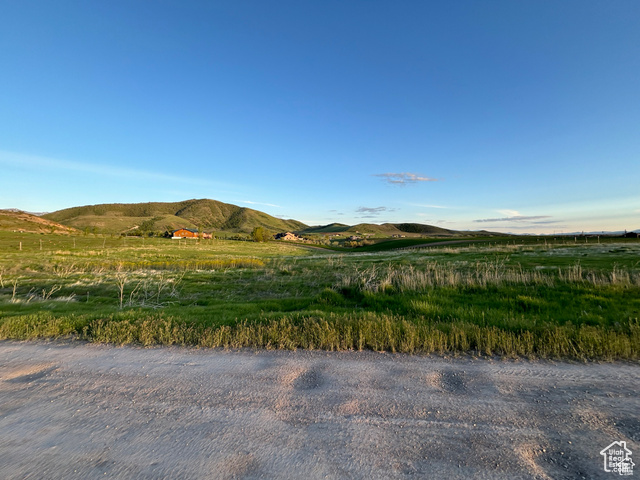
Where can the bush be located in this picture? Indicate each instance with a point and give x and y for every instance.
(330, 297)
(260, 234)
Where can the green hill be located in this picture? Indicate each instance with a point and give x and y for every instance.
(386, 229)
(409, 229)
(160, 216)
(331, 228)
(424, 229)
(19, 221)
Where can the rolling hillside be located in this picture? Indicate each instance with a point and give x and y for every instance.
(214, 215)
(19, 221)
(159, 216)
(331, 228)
(403, 229)
(389, 229)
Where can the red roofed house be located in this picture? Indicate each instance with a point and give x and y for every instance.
(184, 233)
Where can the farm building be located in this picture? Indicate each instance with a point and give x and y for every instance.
(287, 236)
(184, 233)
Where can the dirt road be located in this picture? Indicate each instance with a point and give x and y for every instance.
(76, 411)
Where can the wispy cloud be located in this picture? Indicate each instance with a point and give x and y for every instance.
(557, 226)
(521, 218)
(32, 161)
(516, 218)
(260, 203)
(373, 212)
(423, 218)
(547, 222)
(510, 213)
(427, 206)
(404, 178)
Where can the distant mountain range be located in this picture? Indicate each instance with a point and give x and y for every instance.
(202, 214)
(17, 210)
(390, 229)
(211, 215)
(205, 214)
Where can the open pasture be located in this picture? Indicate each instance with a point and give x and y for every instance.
(527, 296)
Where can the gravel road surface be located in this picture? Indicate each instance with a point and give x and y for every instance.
(76, 411)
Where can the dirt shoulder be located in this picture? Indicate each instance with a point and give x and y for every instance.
(86, 411)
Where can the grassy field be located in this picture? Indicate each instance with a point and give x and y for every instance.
(527, 296)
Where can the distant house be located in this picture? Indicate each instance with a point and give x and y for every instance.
(184, 233)
(287, 236)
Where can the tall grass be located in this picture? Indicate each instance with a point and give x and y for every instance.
(64, 270)
(481, 274)
(378, 332)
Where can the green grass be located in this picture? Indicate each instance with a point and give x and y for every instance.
(394, 244)
(559, 300)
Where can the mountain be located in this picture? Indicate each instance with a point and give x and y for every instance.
(606, 233)
(390, 229)
(424, 229)
(17, 210)
(17, 220)
(331, 228)
(159, 216)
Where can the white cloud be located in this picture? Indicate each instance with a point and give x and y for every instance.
(404, 178)
(260, 203)
(510, 213)
(427, 206)
(33, 161)
(372, 212)
(512, 216)
(517, 218)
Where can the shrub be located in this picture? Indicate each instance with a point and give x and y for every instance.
(260, 234)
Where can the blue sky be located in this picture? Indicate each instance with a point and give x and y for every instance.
(509, 116)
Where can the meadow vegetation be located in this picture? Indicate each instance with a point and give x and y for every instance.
(531, 297)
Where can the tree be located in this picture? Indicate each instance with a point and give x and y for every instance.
(260, 234)
(146, 227)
